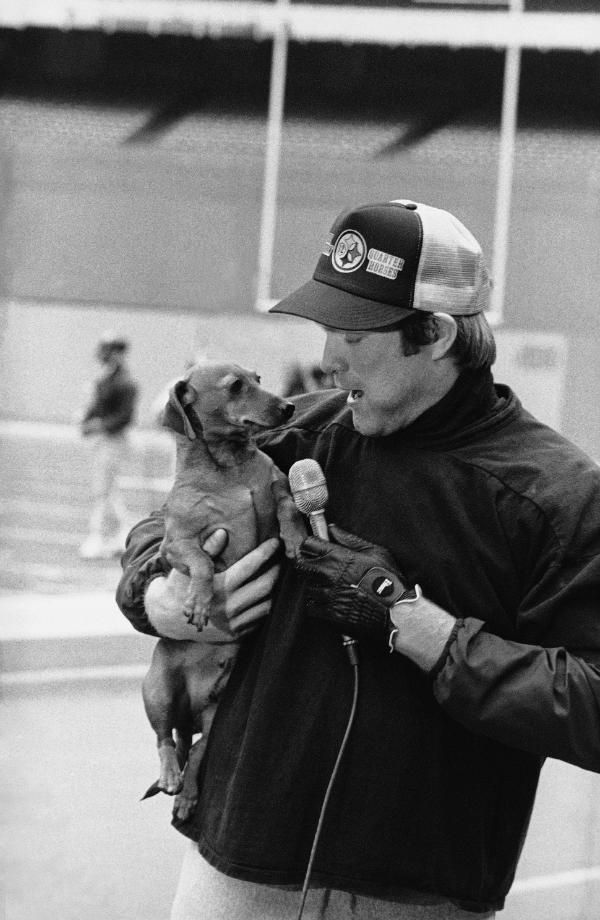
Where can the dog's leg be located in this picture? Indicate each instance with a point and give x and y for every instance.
(159, 695)
(184, 553)
(185, 802)
(291, 523)
(170, 779)
(182, 747)
(199, 597)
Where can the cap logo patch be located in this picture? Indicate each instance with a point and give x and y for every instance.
(328, 245)
(349, 252)
(384, 264)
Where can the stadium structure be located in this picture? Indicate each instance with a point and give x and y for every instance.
(177, 162)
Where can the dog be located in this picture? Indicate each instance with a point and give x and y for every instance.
(222, 480)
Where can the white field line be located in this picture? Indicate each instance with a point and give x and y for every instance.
(39, 430)
(48, 431)
(566, 879)
(44, 537)
(64, 511)
(69, 675)
(52, 509)
(57, 573)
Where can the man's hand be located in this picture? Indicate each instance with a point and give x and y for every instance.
(242, 596)
(353, 584)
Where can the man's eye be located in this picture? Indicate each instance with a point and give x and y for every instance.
(353, 338)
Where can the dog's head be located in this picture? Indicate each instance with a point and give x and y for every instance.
(223, 401)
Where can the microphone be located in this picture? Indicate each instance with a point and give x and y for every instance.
(309, 491)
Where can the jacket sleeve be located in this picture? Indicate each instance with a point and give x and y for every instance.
(541, 696)
(141, 563)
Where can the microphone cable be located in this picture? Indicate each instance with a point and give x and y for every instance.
(309, 491)
(349, 645)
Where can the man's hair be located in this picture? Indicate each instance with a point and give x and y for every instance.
(473, 349)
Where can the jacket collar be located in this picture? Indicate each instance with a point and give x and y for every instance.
(471, 399)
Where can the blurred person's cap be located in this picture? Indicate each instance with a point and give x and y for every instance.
(381, 262)
(113, 341)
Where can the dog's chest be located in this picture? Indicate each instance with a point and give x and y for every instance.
(238, 498)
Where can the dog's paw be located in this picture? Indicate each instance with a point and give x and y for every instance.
(184, 806)
(293, 535)
(171, 782)
(197, 611)
(292, 525)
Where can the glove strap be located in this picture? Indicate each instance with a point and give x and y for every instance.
(382, 585)
(410, 596)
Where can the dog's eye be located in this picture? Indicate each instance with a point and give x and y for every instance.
(236, 386)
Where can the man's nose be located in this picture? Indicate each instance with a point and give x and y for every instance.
(332, 360)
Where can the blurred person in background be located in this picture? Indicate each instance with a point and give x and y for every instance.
(106, 421)
(464, 559)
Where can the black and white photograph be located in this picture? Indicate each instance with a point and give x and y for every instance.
(300, 459)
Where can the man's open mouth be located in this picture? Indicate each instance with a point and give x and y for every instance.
(355, 395)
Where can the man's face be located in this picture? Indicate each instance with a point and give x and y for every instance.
(108, 355)
(387, 389)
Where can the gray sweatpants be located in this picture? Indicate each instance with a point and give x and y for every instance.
(205, 894)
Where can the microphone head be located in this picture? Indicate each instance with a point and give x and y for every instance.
(308, 486)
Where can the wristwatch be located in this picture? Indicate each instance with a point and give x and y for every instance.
(410, 596)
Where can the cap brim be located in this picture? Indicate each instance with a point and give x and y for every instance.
(329, 306)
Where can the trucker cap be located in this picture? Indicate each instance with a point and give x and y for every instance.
(381, 262)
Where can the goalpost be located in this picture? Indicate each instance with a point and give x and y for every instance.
(511, 28)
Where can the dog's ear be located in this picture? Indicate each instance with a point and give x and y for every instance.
(174, 415)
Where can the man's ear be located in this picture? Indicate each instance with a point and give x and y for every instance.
(446, 335)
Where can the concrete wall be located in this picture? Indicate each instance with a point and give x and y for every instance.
(47, 358)
(160, 241)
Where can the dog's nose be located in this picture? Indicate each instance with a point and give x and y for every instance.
(288, 410)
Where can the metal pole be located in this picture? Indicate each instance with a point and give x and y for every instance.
(272, 158)
(508, 129)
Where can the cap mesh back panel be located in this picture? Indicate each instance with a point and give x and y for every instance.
(451, 276)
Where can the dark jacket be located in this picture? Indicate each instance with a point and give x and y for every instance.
(497, 517)
(113, 402)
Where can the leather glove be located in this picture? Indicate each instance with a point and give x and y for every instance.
(353, 584)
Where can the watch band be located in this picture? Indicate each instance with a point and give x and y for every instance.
(410, 596)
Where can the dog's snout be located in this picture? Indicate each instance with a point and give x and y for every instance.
(288, 410)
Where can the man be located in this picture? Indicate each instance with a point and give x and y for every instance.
(464, 557)
(106, 420)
